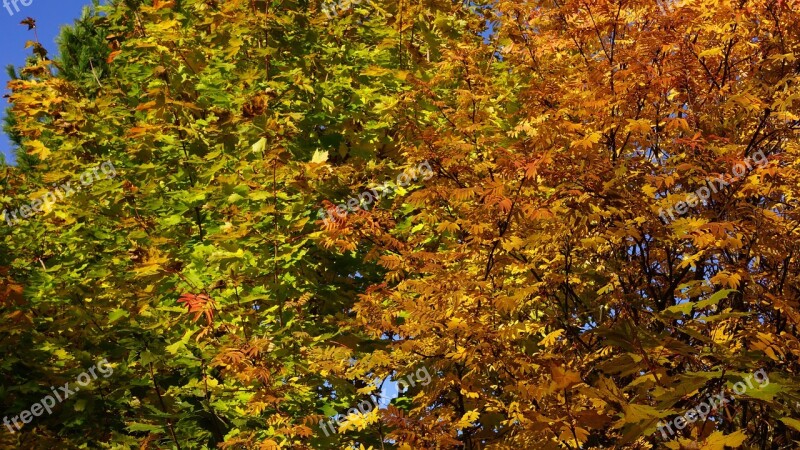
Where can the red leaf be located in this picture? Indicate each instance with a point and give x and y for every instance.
(199, 304)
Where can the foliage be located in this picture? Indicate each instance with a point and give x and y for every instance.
(532, 276)
(83, 49)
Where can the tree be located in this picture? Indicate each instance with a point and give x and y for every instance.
(83, 49)
(608, 239)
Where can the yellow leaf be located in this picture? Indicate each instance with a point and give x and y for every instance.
(649, 190)
(564, 378)
(639, 126)
(716, 51)
(447, 226)
(635, 413)
(569, 436)
(38, 149)
(677, 123)
(368, 389)
(718, 441)
(551, 338)
(512, 243)
(259, 146)
(467, 419)
(793, 423)
(319, 157)
(588, 141)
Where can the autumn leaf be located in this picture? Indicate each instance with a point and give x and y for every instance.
(719, 441)
(200, 304)
(30, 22)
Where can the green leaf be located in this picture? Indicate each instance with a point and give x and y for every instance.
(714, 299)
(139, 427)
(766, 393)
(117, 314)
(682, 308)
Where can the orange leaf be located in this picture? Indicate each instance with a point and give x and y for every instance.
(112, 56)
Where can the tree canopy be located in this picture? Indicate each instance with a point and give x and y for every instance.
(606, 236)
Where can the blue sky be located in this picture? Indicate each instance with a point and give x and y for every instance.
(50, 16)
